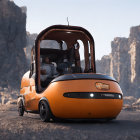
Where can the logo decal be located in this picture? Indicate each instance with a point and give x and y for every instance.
(102, 86)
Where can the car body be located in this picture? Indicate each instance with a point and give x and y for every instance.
(80, 93)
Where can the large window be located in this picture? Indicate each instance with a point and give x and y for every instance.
(50, 44)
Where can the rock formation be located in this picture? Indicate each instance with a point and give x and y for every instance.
(123, 62)
(103, 65)
(12, 42)
(30, 42)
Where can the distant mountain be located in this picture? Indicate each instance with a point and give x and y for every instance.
(12, 42)
(124, 62)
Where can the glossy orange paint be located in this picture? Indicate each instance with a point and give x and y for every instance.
(63, 107)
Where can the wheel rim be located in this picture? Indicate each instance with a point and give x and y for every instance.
(43, 112)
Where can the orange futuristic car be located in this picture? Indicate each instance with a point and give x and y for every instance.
(63, 85)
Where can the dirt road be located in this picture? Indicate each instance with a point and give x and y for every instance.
(13, 127)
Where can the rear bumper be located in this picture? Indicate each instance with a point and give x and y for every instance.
(89, 108)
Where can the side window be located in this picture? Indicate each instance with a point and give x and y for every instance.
(32, 66)
(32, 69)
(64, 45)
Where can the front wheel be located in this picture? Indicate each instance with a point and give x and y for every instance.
(20, 108)
(44, 111)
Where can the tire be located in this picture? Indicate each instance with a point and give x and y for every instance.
(44, 111)
(20, 108)
(110, 119)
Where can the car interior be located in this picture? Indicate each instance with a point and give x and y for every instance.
(62, 48)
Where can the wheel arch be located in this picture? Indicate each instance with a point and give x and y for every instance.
(45, 99)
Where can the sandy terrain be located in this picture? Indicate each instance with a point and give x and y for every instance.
(13, 127)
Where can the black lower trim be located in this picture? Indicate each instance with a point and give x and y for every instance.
(93, 95)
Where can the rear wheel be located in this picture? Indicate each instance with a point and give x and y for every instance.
(109, 119)
(20, 108)
(44, 111)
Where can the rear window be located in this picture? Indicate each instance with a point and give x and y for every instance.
(49, 44)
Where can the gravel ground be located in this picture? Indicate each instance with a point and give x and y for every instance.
(30, 127)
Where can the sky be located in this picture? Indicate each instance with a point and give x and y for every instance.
(104, 19)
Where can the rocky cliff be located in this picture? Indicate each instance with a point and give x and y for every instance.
(29, 44)
(123, 62)
(101, 65)
(12, 42)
